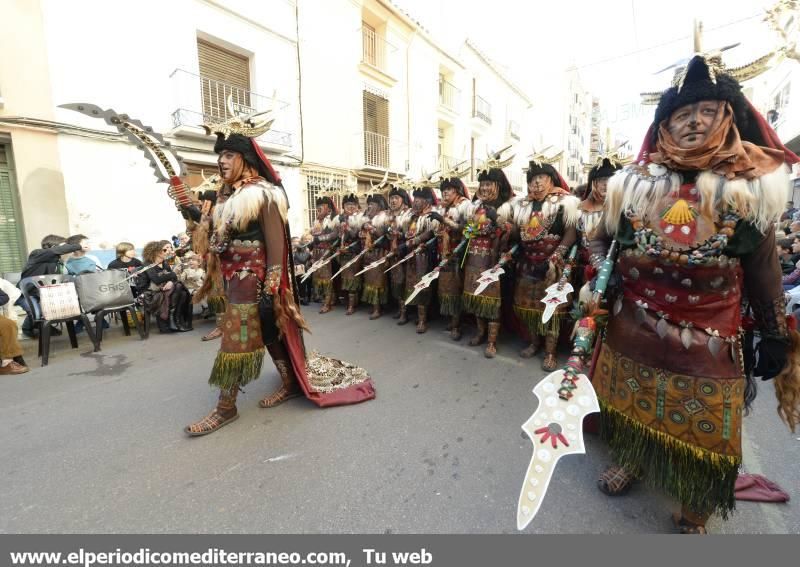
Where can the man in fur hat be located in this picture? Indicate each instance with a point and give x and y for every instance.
(421, 227)
(488, 230)
(694, 222)
(397, 220)
(376, 286)
(545, 222)
(250, 245)
(324, 232)
(455, 211)
(349, 224)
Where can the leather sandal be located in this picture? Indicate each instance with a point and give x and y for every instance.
(684, 526)
(215, 333)
(278, 397)
(209, 424)
(615, 481)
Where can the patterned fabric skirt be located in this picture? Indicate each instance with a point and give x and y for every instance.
(682, 432)
(321, 278)
(451, 286)
(241, 351)
(417, 267)
(349, 280)
(376, 286)
(528, 293)
(479, 259)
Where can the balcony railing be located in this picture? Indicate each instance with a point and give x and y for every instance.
(447, 163)
(374, 49)
(482, 109)
(376, 150)
(448, 94)
(201, 100)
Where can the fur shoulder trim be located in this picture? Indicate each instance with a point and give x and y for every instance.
(572, 210)
(244, 206)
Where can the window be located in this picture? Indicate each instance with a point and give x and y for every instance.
(376, 130)
(12, 243)
(223, 73)
(316, 181)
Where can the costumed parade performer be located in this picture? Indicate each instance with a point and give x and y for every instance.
(324, 232)
(694, 220)
(488, 231)
(376, 282)
(545, 223)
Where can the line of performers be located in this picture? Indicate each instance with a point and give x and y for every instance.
(458, 239)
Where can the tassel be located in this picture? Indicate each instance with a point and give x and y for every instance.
(787, 384)
(233, 369)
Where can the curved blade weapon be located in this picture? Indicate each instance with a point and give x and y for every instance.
(565, 397)
(167, 165)
(374, 264)
(356, 258)
(558, 293)
(414, 252)
(319, 263)
(426, 280)
(339, 252)
(488, 277)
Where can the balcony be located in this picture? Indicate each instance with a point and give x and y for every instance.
(447, 163)
(482, 109)
(200, 100)
(449, 95)
(382, 152)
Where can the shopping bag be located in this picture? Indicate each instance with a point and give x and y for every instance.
(59, 301)
(104, 290)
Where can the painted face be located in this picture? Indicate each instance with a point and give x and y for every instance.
(229, 162)
(691, 124)
(372, 209)
(488, 191)
(419, 204)
(323, 210)
(350, 208)
(539, 186)
(395, 202)
(449, 196)
(599, 187)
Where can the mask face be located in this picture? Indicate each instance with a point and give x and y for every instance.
(395, 202)
(539, 186)
(350, 208)
(488, 191)
(690, 125)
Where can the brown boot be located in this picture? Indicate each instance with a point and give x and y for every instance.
(290, 387)
(422, 321)
(689, 522)
(481, 332)
(223, 414)
(403, 319)
(376, 312)
(491, 343)
(328, 305)
(550, 362)
(455, 327)
(531, 350)
(352, 301)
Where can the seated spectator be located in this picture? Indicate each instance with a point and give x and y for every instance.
(784, 248)
(80, 262)
(793, 279)
(8, 311)
(11, 361)
(161, 292)
(193, 274)
(126, 258)
(49, 259)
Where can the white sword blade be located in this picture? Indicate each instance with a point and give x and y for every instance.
(554, 298)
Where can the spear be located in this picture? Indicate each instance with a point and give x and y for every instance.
(411, 254)
(354, 260)
(319, 263)
(426, 280)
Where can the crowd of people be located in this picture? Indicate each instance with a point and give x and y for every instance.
(689, 228)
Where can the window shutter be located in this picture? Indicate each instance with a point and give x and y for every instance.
(376, 114)
(222, 73)
(12, 249)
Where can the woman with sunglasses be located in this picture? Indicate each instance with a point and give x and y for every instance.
(161, 291)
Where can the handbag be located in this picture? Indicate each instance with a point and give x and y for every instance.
(59, 301)
(104, 290)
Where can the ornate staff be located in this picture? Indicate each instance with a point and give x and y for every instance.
(166, 163)
(565, 397)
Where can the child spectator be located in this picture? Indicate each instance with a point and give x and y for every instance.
(80, 262)
(126, 258)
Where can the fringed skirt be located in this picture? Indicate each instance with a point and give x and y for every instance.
(451, 285)
(681, 432)
(376, 287)
(350, 282)
(480, 258)
(528, 293)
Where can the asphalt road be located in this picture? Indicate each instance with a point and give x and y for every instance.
(93, 443)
